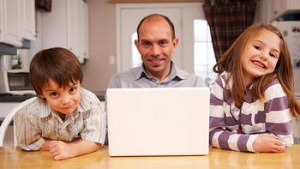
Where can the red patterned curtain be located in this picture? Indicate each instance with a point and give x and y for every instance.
(43, 5)
(227, 20)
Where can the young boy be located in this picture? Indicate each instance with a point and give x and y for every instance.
(65, 119)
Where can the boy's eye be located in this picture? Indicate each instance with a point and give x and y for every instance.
(72, 89)
(53, 94)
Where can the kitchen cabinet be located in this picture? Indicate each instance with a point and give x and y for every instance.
(270, 10)
(10, 22)
(66, 26)
(281, 6)
(17, 21)
(27, 11)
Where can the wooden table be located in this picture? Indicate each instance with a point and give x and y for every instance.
(11, 157)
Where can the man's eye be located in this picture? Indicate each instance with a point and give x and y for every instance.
(145, 43)
(163, 42)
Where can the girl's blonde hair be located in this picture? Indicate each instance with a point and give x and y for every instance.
(231, 62)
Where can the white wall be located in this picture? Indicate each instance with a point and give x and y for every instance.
(102, 44)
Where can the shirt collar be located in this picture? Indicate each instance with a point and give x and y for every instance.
(175, 73)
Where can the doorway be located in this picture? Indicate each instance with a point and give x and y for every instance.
(181, 14)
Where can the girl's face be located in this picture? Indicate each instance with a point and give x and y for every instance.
(62, 100)
(261, 55)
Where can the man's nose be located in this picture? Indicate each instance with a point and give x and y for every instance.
(155, 50)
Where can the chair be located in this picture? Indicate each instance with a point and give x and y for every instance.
(9, 118)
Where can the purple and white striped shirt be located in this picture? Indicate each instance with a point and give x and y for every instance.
(255, 116)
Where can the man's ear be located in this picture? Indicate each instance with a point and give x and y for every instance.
(175, 42)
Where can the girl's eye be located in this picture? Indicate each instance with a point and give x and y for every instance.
(256, 47)
(273, 55)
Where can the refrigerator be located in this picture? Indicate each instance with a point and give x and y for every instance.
(291, 32)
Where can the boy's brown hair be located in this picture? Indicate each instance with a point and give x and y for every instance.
(57, 64)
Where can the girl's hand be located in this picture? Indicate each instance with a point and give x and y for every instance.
(266, 143)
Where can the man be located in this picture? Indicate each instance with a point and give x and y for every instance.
(156, 43)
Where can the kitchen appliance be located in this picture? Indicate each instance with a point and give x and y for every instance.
(5, 61)
(291, 32)
(15, 82)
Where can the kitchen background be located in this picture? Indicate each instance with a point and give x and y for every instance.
(92, 30)
(89, 29)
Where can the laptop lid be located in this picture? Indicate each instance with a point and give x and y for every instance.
(158, 121)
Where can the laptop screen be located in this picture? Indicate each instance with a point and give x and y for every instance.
(158, 121)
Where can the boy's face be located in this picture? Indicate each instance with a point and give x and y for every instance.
(62, 100)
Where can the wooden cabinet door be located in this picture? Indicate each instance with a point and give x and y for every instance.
(10, 22)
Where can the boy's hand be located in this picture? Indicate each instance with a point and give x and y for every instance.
(61, 150)
(266, 143)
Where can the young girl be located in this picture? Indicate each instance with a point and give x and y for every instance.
(252, 101)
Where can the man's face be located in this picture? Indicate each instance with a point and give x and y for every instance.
(156, 47)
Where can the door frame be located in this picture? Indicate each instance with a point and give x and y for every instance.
(187, 50)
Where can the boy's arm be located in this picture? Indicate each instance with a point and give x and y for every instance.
(62, 150)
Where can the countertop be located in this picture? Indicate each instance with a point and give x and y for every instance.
(8, 97)
(11, 157)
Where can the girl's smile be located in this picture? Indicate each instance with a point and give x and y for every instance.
(260, 57)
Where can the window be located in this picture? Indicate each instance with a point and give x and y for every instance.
(204, 57)
(136, 57)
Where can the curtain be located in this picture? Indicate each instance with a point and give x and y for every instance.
(227, 20)
(43, 5)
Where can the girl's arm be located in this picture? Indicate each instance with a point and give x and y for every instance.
(278, 121)
(223, 130)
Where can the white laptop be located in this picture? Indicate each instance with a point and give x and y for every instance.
(158, 121)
